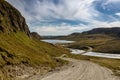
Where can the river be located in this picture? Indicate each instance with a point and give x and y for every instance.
(57, 41)
(82, 52)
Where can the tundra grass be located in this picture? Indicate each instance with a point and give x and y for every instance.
(99, 43)
(18, 48)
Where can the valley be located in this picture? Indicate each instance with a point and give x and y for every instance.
(26, 55)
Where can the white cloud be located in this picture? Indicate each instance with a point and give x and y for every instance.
(118, 14)
(59, 30)
(68, 9)
(96, 24)
(80, 10)
(109, 1)
(66, 29)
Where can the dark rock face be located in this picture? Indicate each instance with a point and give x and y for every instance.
(11, 20)
(115, 31)
(35, 35)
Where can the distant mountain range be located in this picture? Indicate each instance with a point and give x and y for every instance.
(115, 31)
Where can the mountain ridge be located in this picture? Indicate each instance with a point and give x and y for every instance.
(114, 31)
(11, 19)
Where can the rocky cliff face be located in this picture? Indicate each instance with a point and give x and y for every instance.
(11, 20)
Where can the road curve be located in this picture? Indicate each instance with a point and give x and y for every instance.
(82, 70)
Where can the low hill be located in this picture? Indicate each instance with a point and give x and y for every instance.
(97, 32)
(115, 31)
(35, 35)
(79, 36)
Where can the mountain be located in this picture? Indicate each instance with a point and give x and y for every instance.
(20, 54)
(115, 31)
(94, 33)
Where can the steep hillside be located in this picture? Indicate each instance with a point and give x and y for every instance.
(18, 49)
(20, 55)
(11, 20)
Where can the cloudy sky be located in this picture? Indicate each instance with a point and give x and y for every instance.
(62, 17)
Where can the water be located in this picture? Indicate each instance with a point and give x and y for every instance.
(82, 52)
(57, 41)
(117, 56)
(77, 51)
(105, 55)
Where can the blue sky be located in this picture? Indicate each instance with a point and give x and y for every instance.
(63, 17)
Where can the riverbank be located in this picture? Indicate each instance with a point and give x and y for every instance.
(95, 54)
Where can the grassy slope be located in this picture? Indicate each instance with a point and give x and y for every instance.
(17, 48)
(111, 46)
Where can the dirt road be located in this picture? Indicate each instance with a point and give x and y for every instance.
(80, 70)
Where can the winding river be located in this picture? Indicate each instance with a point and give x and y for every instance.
(82, 52)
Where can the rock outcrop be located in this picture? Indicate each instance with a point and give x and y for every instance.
(11, 19)
(35, 35)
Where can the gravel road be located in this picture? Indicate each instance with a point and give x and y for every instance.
(80, 70)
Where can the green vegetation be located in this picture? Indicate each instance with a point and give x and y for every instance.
(113, 64)
(17, 48)
(111, 46)
(99, 43)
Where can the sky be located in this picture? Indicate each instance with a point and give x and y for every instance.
(63, 17)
